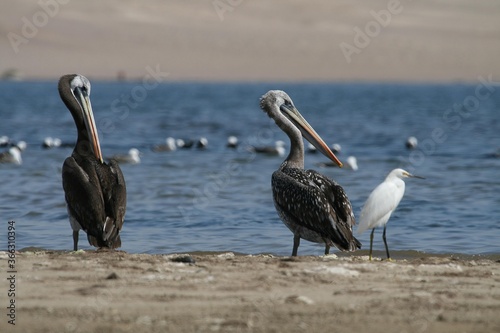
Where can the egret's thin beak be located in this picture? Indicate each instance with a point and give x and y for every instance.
(88, 118)
(308, 132)
(413, 176)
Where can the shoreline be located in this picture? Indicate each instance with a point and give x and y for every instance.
(378, 255)
(113, 291)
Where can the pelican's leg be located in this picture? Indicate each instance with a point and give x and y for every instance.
(75, 240)
(327, 249)
(386, 247)
(296, 243)
(371, 243)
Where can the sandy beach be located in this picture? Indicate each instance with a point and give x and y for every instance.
(223, 292)
(238, 40)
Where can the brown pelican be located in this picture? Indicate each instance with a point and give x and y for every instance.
(311, 205)
(95, 191)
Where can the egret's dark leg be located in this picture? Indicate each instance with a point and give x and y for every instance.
(75, 240)
(327, 249)
(385, 242)
(296, 243)
(371, 243)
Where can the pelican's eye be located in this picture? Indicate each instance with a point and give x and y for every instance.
(287, 104)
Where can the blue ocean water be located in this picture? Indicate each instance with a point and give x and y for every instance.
(219, 199)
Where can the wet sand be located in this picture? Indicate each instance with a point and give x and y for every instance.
(223, 292)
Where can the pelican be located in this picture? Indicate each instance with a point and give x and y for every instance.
(131, 157)
(312, 206)
(94, 190)
(13, 155)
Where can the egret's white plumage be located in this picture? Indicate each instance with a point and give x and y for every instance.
(382, 202)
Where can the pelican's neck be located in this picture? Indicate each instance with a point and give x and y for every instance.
(295, 158)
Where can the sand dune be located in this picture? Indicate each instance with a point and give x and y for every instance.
(241, 40)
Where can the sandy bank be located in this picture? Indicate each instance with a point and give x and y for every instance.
(120, 292)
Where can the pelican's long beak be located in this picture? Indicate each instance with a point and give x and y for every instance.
(308, 132)
(88, 118)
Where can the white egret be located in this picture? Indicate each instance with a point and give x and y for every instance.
(381, 203)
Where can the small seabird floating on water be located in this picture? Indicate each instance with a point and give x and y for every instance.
(169, 145)
(13, 155)
(22, 145)
(311, 205)
(4, 141)
(311, 149)
(202, 143)
(411, 142)
(336, 148)
(277, 150)
(132, 157)
(50, 142)
(351, 163)
(232, 142)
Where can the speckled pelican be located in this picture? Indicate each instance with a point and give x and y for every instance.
(311, 205)
(95, 191)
